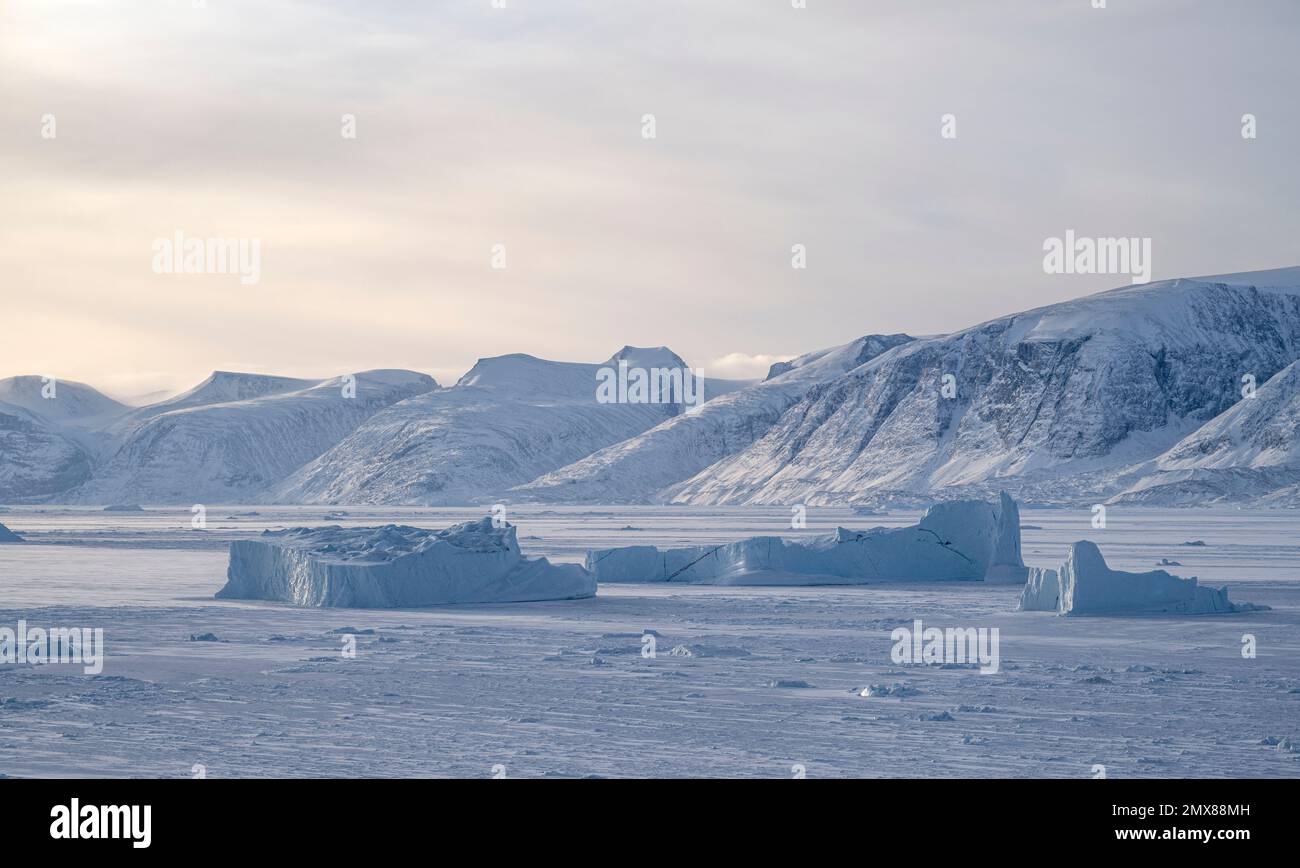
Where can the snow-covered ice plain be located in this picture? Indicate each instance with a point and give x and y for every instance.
(745, 682)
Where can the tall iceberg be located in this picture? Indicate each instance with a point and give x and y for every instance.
(396, 566)
(1084, 585)
(955, 541)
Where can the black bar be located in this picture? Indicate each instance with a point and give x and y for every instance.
(332, 817)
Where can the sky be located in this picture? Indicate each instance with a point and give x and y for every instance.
(518, 136)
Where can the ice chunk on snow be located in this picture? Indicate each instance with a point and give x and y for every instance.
(397, 566)
(957, 541)
(1042, 591)
(1084, 585)
(897, 689)
(8, 536)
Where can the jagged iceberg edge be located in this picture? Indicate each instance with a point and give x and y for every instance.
(954, 541)
(1085, 585)
(8, 536)
(396, 566)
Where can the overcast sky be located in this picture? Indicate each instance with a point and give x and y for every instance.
(523, 127)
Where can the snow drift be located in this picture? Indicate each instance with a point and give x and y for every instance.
(396, 566)
(954, 541)
(1084, 585)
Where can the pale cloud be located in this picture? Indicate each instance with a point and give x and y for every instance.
(478, 126)
(743, 366)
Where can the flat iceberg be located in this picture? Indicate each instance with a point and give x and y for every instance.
(1084, 585)
(396, 566)
(955, 541)
(8, 536)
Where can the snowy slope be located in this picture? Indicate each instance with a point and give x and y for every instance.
(1052, 404)
(636, 469)
(509, 420)
(49, 445)
(221, 387)
(72, 403)
(232, 451)
(1250, 451)
(38, 458)
(1131, 393)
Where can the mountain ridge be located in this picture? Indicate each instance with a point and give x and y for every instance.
(1130, 395)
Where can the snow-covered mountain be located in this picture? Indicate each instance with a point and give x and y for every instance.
(637, 469)
(49, 434)
(62, 402)
(213, 446)
(506, 422)
(1133, 394)
(1250, 451)
(221, 387)
(1052, 404)
(37, 458)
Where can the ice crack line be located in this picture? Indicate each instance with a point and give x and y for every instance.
(692, 563)
(947, 546)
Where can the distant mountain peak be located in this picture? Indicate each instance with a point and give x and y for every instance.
(511, 370)
(1273, 278)
(69, 402)
(221, 387)
(647, 357)
(1056, 403)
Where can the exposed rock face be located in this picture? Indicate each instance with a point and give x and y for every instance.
(1133, 394)
(37, 458)
(1251, 451)
(1055, 404)
(639, 469)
